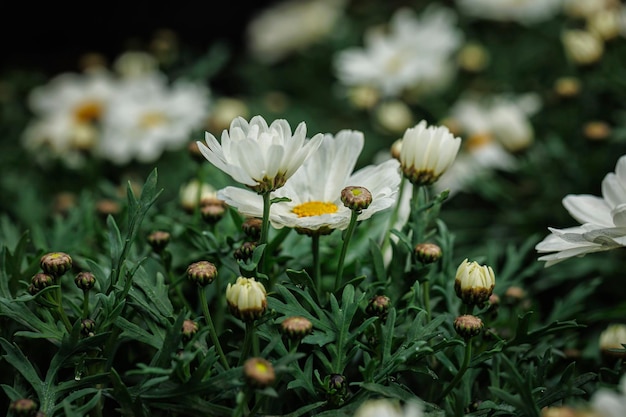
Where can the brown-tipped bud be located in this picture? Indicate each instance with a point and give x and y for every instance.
(189, 329)
(24, 407)
(378, 306)
(514, 296)
(244, 252)
(252, 227)
(356, 198)
(202, 273)
(106, 207)
(474, 283)
(212, 209)
(39, 281)
(321, 231)
(596, 130)
(88, 327)
(296, 327)
(259, 372)
(396, 146)
(427, 253)
(247, 299)
(158, 240)
(468, 326)
(56, 263)
(85, 280)
(567, 87)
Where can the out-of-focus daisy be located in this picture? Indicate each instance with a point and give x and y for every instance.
(260, 156)
(290, 26)
(607, 402)
(415, 52)
(315, 189)
(148, 116)
(582, 47)
(67, 113)
(526, 12)
(384, 407)
(602, 219)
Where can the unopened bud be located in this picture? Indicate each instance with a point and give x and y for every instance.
(56, 263)
(40, 281)
(24, 407)
(159, 240)
(296, 327)
(259, 372)
(378, 306)
(252, 227)
(356, 198)
(88, 327)
(245, 251)
(85, 280)
(468, 326)
(189, 329)
(202, 273)
(427, 253)
(212, 209)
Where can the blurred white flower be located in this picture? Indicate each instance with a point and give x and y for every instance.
(259, 155)
(602, 219)
(193, 192)
(315, 189)
(388, 408)
(526, 12)
(135, 63)
(584, 9)
(607, 402)
(290, 26)
(148, 115)
(414, 52)
(582, 47)
(67, 112)
(427, 152)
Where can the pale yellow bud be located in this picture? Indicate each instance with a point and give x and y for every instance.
(247, 299)
(612, 339)
(474, 283)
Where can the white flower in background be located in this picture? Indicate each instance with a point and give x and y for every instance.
(526, 12)
(67, 113)
(135, 63)
(315, 189)
(602, 219)
(291, 26)
(192, 194)
(493, 129)
(414, 52)
(148, 116)
(383, 407)
(259, 155)
(582, 47)
(584, 9)
(607, 402)
(427, 152)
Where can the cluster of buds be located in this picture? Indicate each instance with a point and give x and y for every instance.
(356, 198)
(259, 372)
(337, 389)
(202, 273)
(474, 283)
(296, 327)
(247, 299)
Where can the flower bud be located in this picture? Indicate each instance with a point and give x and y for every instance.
(474, 283)
(378, 306)
(189, 329)
(468, 326)
(212, 209)
(252, 227)
(567, 87)
(39, 281)
(427, 253)
(247, 299)
(596, 130)
(356, 198)
(106, 207)
(612, 340)
(514, 295)
(24, 407)
(259, 372)
(159, 240)
(337, 389)
(88, 327)
(244, 252)
(85, 280)
(296, 327)
(56, 263)
(202, 273)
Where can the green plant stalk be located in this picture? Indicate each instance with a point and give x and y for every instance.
(85, 304)
(212, 332)
(317, 266)
(461, 372)
(61, 310)
(426, 295)
(247, 342)
(344, 249)
(393, 217)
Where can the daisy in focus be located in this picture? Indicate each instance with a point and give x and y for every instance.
(261, 156)
(315, 189)
(602, 219)
(148, 116)
(414, 53)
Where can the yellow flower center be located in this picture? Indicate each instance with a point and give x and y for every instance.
(89, 111)
(152, 119)
(261, 367)
(314, 208)
(478, 140)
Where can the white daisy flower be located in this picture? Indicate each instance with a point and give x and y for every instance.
(383, 407)
(427, 152)
(608, 402)
(148, 116)
(260, 156)
(414, 53)
(526, 12)
(602, 219)
(315, 189)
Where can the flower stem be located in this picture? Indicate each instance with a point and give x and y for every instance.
(247, 342)
(461, 372)
(85, 304)
(344, 248)
(394, 216)
(209, 322)
(317, 266)
(426, 295)
(61, 310)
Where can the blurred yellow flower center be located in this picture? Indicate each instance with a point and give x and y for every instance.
(152, 119)
(88, 111)
(478, 140)
(314, 208)
(261, 367)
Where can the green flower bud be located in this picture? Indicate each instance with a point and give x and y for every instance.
(56, 263)
(85, 280)
(468, 326)
(356, 198)
(202, 273)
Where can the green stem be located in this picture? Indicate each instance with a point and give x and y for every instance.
(426, 295)
(247, 342)
(394, 216)
(85, 304)
(462, 369)
(61, 310)
(344, 249)
(317, 267)
(212, 332)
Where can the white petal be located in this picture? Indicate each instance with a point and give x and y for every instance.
(588, 209)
